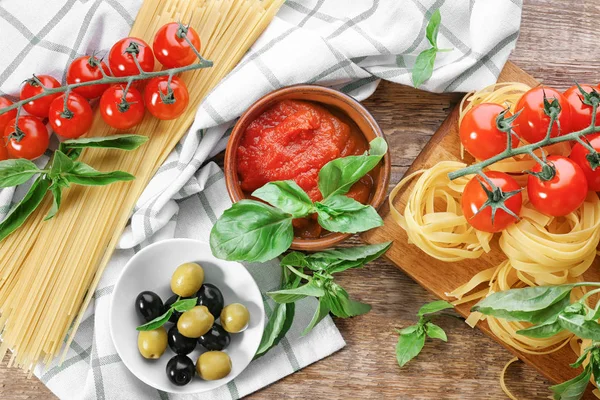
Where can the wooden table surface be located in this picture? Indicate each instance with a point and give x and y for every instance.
(558, 44)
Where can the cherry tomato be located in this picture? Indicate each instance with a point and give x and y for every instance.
(479, 133)
(579, 155)
(170, 47)
(6, 117)
(164, 103)
(85, 69)
(74, 123)
(474, 197)
(39, 107)
(532, 123)
(121, 56)
(581, 114)
(30, 141)
(3, 151)
(562, 194)
(119, 114)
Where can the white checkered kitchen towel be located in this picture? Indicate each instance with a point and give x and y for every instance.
(349, 45)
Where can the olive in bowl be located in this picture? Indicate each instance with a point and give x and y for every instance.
(148, 305)
(187, 279)
(195, 322)
(152, 344)
(235, 318)
(180, 370)
(215, 339)
(180, 344)
(210, 296)
(213, 365)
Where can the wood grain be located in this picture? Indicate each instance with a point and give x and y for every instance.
(558, 43)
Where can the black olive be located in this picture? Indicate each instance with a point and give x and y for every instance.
(215, 339)
(179, 343)
(176, 314)
(211, 297)
(180, 370)
(148, 305)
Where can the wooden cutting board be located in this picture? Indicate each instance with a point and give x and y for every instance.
(440, 277)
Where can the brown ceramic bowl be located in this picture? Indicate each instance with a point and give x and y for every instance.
(331, 99)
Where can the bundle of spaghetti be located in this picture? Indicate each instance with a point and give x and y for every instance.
(505, 277)
(49, 270)
(508, 94)
(551, 251)
(433, 218)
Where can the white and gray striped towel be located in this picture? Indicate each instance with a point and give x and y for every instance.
(338, 43)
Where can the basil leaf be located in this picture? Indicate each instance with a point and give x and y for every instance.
(409, 329)
(435, 332)
(321, 312)
(294, 259)
(423, 68)
(184, 305)
(24, 208)
(575, 308)
(251, 231)
(287, 196)
(594, 315)
(278, 325)
(83, 174)
(337, 176)
(312, 288)
(580, 326)
(344, 219)
(573, 389)
(409, 346)
(60, 164)
(156, 322)
(528, 299)
(121, 142)
(581, 358)
(595, 363)
(535, 317)
(339, 204)
(341, 305)
(17, 171)
(433, 27)
(433, 307)
(545, 330)
(56, 190)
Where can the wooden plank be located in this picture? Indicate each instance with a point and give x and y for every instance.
(441, 277)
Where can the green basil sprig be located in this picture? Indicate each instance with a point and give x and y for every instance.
(179, 306)
(63, 170)
(254, 231)
(296, 285)
(575, 388)
(423, 68)
(412, 338)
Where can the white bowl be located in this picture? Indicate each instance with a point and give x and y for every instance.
(151, 269)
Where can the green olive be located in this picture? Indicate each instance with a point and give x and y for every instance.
(213, 365)
(195, 322)
(187, 279)
(235, 318)
(152, 344)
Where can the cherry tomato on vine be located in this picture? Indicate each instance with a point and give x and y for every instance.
(31, 88)
(579, 155)
(171, 48)
(563, 193)
(3, 152)
(85, 69)
(581, 114)
(73, 122)
(532, 123)
(166, 102)
(479, 133)
(29, 141)
(507, 194)
(120, 57)
(119, 114)
(8, 116)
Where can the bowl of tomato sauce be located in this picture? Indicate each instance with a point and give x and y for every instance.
(290, 134)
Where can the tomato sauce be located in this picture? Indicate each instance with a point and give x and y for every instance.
(294, 140)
